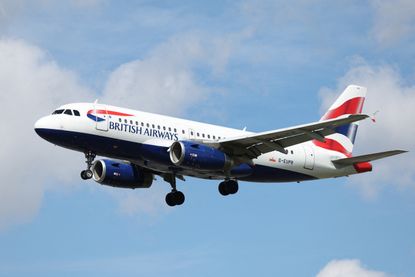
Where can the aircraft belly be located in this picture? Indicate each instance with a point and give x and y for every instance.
(128, 150)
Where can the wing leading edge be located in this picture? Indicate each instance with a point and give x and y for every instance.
(254, 145)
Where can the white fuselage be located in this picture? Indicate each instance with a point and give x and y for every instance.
(124, 133)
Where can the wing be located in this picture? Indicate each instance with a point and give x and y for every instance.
(252, 146)
(368, 157)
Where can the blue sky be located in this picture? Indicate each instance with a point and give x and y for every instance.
(260, 64)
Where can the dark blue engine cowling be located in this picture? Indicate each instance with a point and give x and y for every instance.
(122, 175)
(193, 155)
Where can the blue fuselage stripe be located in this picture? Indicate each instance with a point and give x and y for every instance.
(127, 150)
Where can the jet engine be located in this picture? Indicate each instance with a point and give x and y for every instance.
(121, 175)
(193, 155)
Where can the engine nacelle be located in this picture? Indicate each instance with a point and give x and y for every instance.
(121, 175)
(193, 155)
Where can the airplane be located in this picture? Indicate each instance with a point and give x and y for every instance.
(139, 146)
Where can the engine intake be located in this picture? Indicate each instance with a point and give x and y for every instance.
(193, 155)
(121, 175)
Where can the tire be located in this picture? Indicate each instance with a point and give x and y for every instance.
(179, 197)
(170, 199)
(222, 189)
(83, 175)
(232, 186)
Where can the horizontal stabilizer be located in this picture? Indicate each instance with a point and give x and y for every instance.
(368, 157)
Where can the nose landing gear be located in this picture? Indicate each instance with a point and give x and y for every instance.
(87, 174)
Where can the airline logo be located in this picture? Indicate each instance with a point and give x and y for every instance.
(94, 114)
(350, 102)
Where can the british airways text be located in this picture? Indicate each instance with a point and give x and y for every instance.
(142, 131)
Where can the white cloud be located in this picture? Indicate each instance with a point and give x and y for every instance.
(31, 85)
(163, 81)
(348, 268)
(395, 99)
(393, 20)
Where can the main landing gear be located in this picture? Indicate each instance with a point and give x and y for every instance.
(174, 197)
(228, 187)
(87, 174)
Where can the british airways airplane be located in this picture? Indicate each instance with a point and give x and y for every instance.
(140, 145)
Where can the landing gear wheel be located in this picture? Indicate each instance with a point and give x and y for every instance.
(228, 187)
(232, 186)
(222, 189)
(170, 199)
(83, 175)
(179, 197)
(87, 174)
(175, 198)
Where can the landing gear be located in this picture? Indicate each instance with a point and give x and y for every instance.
(87, 174)
(174, 197)
(228, 187)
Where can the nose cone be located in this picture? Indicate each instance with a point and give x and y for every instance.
(43, 127)
(41, 123)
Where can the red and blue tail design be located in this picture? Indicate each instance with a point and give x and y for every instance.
(349, 102)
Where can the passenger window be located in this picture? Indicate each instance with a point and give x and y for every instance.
(125, 121)
(208, 136)
(192, 133)
(164, 128)
(142, 124)
(183, 132)
(152, 125)
(158, 127)
(148, 125)
(68, 112)
(76, 113)
(136, 123)
(131, 122)
(169, 129)
(214, 137)
(175, 130)
(198, 134)
(58, 112)
(203, 135)
(119, 119)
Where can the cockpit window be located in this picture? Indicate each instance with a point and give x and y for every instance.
(58, 112)
(68, 112)
(76, 113)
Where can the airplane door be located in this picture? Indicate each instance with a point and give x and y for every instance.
(309, 157)
(101, 118)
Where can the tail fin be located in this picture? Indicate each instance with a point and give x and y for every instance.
(349, 102)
